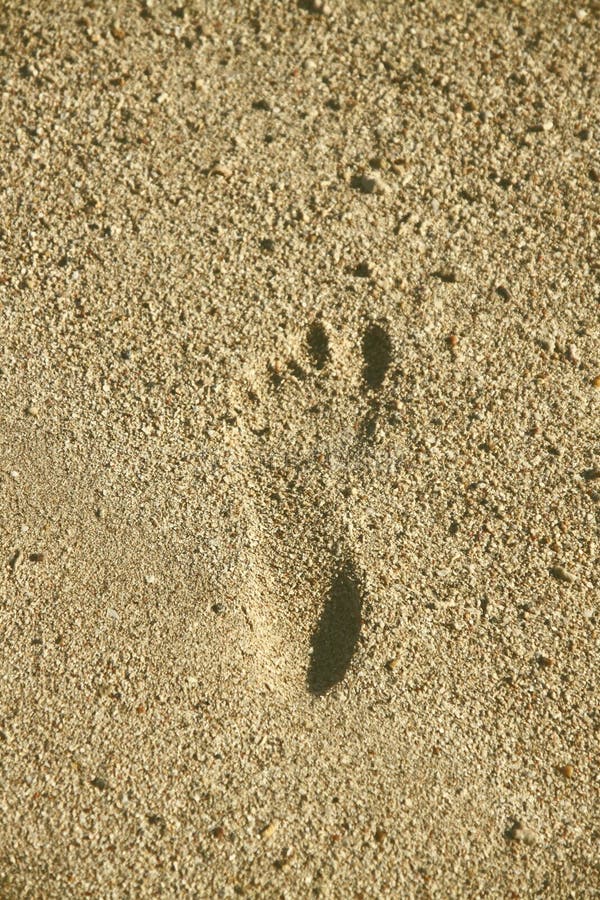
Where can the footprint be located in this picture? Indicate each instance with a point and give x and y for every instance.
(303, 439)
(337, 633)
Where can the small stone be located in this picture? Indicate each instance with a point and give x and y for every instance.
(222, 169)
(269, 830)
(32, 410)
(567, 771)
(36, 557)
(380, 834)
(318, 7)
(393, 663)
(285, 857)
(100, 783)
(117, 31)
(452, 340)
(596, 382)
(572, 354)
(27, 70)
(561, 574)
(547, 125)
(218, 832)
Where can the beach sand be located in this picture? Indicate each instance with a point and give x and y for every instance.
(299, 449)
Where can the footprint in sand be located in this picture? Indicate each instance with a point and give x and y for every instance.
(305, 419)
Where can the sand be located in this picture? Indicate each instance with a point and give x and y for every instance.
(299, 449)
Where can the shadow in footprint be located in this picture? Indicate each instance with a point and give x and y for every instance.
(377, 355)
(336, 636)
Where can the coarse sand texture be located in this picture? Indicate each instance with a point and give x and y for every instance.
(299, 449)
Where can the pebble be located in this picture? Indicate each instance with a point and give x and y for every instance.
(596, 382)
(32, 410)
(117, 31)
(393, 663)
(567, 770)
(223, 170)
(286, 855)
(452, 340)
(561, 574)
(269, 830)
(319, 7)
(572, 354)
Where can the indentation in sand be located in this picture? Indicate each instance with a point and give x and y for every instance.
(337, 633)
(377, 355)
